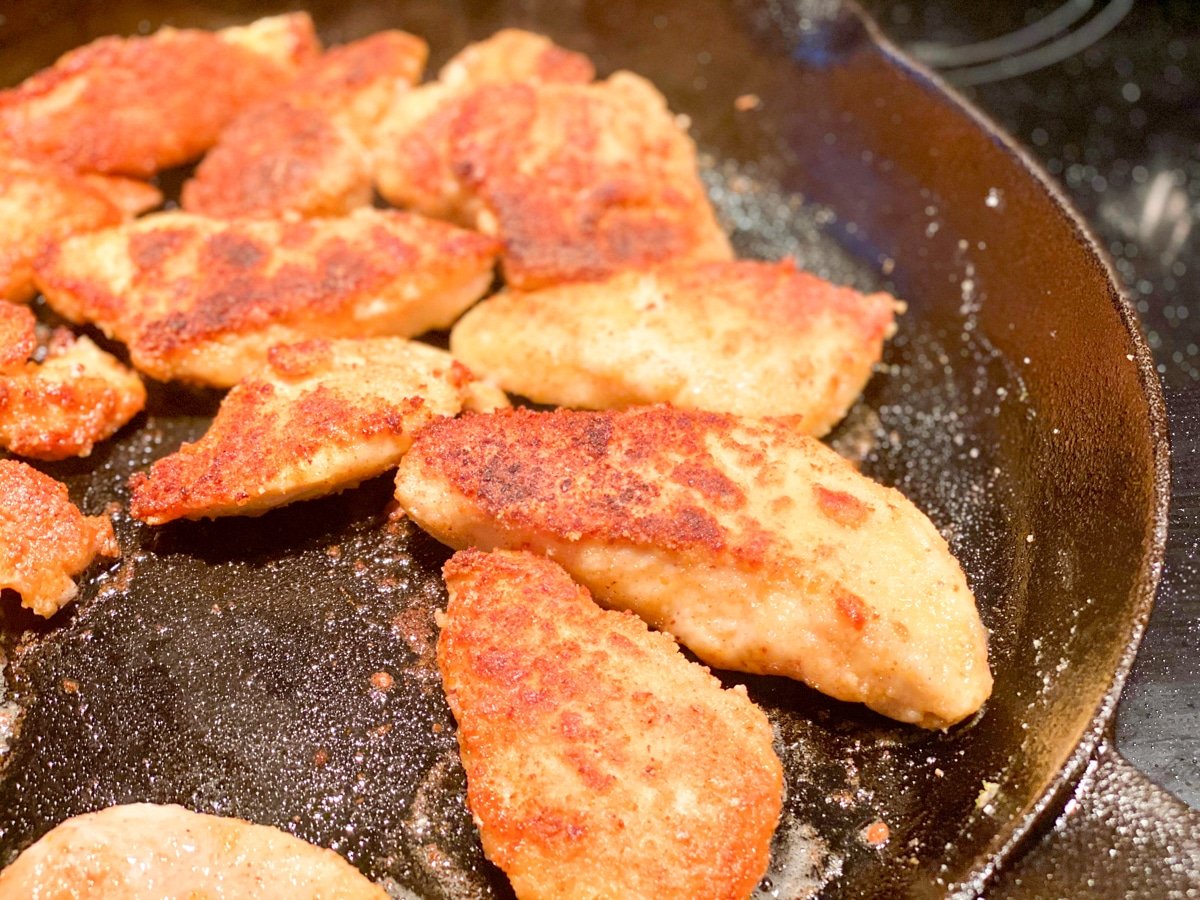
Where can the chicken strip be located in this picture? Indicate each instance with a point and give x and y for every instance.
(582, 181)
(412, 150)
(600, 762)
(320, 417)
(760, 549)
(304, 150)
(142, 851)
(64, 405)
(201, 300)
(45, 541)
(41, 202)
(756, 339)
(129, 105)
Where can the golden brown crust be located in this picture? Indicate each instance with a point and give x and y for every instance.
(751, 338)
(643, 476)
(40, 203)
(303, 149)
(18, 336)
(320, 417)
(600, 763)
(413, 166)
(759, 548)
(128, 105)
(281, 158)
(63, 406)
(44, 540)
(582, 181)
(202, 300)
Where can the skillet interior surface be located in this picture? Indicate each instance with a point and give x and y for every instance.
(227, 665)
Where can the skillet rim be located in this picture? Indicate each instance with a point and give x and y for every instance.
(1013, 835)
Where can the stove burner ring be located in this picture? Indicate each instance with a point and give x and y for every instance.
(1043, 43)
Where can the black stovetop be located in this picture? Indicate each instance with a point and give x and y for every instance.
(1106, 93)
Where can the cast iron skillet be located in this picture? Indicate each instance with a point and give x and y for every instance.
(227, 665)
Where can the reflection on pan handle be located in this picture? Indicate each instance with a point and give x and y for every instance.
(1120, 835)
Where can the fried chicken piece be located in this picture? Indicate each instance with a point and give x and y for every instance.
(320, 417)
(201, 300)
(45, 541)
(412, 163)
(600, 762)
(760, 549)
(304, 149)
(142, 851)
(752, 338)
(42, 202)
(60, 407)
(133, 106)
(580, 181)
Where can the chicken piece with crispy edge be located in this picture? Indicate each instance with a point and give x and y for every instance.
(412, 161)
(320, 417)
(304, 149)
(751, 338)
(43, 202)
(582, 181)
(44, 539)
(201, 300)
(143, 850)
(62, 406)
(600, 762)
(759, 548)
(129, 106)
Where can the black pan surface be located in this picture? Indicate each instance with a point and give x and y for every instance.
(227, 665)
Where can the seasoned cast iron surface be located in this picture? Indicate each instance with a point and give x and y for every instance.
(228, 665)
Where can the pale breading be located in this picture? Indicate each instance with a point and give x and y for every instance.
(143, 851)
(62, 406)
(134, 106)
(760, 549)
(600, 762)
(412, 163)
(201, 300)
(303, 150)
(320, 417)
(752, 338)
(43, 202)
(45, 541)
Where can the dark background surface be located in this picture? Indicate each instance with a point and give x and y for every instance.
(1110, 105)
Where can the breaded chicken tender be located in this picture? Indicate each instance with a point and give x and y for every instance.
(62, 406)
(41, 202)
(600, 762)
(133, 106)
(304, 149)
(582, 181)
(201, 300)
(45, 542)
(320, 417)
(412, 165)
(760, 549)
(142, 851)
(752, 338)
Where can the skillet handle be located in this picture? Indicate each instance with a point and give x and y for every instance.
(1120, 835)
